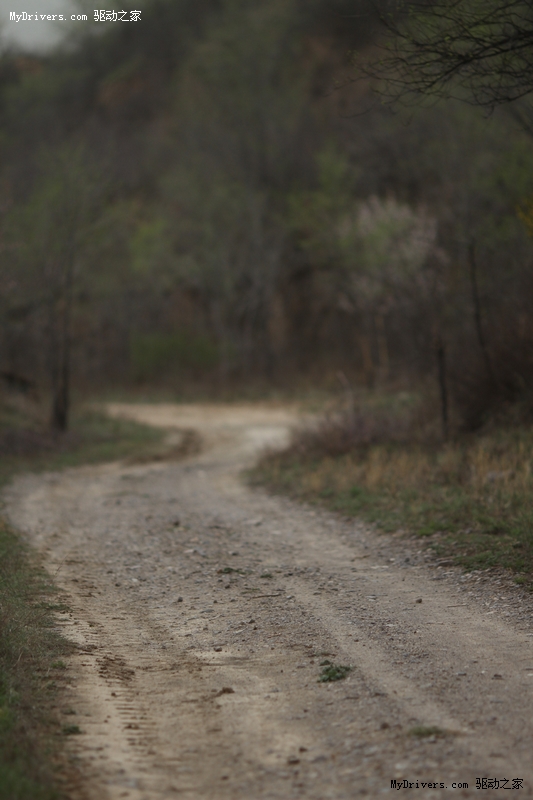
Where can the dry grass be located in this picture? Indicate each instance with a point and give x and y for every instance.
(502, 462)
(471, 496)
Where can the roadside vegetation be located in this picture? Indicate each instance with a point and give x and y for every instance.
(469, 498)
(31, 672)
(28, 445)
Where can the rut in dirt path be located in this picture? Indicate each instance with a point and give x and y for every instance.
(204, 609)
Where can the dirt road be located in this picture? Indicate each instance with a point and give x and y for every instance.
(204, 610)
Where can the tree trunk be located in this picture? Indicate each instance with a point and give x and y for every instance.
(60, 357)
(61, 388)
(443, 386)
(477, 311)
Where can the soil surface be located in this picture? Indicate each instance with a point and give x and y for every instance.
(205, 609)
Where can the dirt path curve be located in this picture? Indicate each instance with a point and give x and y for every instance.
(204, 609)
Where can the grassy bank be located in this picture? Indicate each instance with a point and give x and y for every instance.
(93, 438)
(32, 669)
(471, 500)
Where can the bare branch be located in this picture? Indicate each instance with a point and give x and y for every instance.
(476, 50)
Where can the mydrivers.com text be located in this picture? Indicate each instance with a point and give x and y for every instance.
(99, 15)
(481, 783)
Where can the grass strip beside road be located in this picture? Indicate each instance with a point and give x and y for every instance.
(31, 668)
(471, 500)
(93, 438)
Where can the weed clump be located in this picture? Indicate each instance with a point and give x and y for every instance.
(71, 730)
(333, 672)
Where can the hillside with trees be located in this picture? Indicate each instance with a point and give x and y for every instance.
(215, 194)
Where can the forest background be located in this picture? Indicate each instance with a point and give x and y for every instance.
(215, 196)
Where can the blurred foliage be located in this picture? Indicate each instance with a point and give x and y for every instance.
(220, 173)
(525, 213)
(154, 353)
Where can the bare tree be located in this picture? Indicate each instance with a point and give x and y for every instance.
(479, 50)
(48, 235)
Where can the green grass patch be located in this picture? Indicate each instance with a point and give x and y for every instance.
(425, 731)
(471, 500)
(333, 672)
(93, 438)
(31, 671)
(70, 730)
